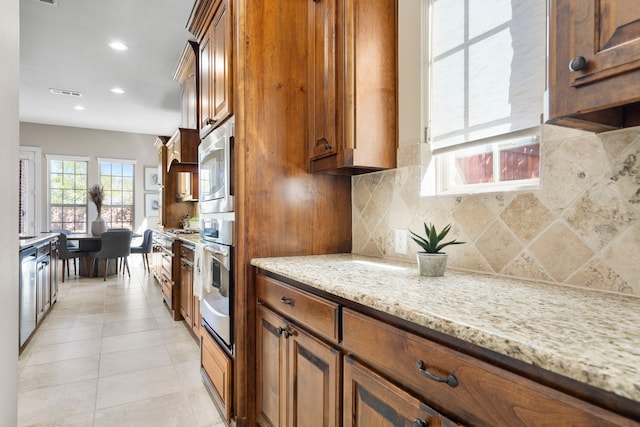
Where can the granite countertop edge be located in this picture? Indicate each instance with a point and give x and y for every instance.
(590, 336)
(43, 237)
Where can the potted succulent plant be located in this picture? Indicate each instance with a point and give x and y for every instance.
(96, 195)
(431, 261)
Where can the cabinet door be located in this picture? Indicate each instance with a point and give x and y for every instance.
(205, 82)
(270, 368)
(44, 289)
(54, 272)
(371, 401)
(594, 55)
(607, 35)
(322, 77)
(221, 62)
(186, 291)
(313, 381)
(215, 70)
(195, 315)
(189, 102)
(217, 367)
(352, 85)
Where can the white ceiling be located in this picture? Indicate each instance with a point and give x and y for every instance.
(66, 47)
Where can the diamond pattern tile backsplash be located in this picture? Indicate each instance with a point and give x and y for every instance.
(581, 228)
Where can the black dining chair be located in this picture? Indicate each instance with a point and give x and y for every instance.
(65, 253)
(114, 244)
(145, 248)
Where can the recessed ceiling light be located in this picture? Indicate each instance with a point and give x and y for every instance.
(118, 46)
(117, 90)
(78, 107)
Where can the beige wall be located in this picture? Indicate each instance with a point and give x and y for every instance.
(9, 84)
(62, 140)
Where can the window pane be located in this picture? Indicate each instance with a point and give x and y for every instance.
(56, 166)
(452, 34)
(56, 197)
(487, 15)
(81, 168)
(105, 169)
(447, 93)
(127, 170)
(474, 166)
(520, 163)
(127, 198)
(489, 88)
(127, 184)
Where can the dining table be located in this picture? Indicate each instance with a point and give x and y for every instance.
(87, 242)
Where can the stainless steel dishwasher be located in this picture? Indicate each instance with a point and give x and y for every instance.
(28, 293)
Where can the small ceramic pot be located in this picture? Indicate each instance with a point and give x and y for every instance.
(431, 265)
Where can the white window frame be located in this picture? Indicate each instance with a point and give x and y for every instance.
(445, 162)
(50, 157)
(33, 155)
(102, 160)
(444, 159)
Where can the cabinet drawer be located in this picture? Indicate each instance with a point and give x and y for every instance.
(368, 396)
(167, 289)
(187, 253)
(217, 366)
(301, 307)
(476, 392)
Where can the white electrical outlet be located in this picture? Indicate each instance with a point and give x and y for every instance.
(401, 241)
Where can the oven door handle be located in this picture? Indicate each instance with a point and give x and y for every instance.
(217, 252)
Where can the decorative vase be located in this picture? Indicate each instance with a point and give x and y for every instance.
(431, 265)
(98, 226)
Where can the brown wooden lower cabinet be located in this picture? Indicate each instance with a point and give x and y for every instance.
(370, 400)
(216, 372)
(393, 377)
(298, 375)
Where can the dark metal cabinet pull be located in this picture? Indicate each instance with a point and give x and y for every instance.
(417, 422)
(287, 301)
(450, 380)
(578, 63)
(283, 331)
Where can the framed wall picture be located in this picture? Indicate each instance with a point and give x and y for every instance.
(152, 179)
(151, 205)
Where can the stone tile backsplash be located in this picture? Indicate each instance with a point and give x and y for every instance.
(581, 228)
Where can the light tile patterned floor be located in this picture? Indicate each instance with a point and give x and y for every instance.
(109, 354)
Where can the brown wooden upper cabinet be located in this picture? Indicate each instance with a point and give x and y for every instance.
(186, 75)
(594, 64)
(211, 23)
(352, 85)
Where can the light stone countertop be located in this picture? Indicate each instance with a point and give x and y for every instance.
(36, 240)
(590, 336)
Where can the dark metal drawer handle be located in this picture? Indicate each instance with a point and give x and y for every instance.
(451, 381)
(282, 331)
(417, 422)
(287, 301)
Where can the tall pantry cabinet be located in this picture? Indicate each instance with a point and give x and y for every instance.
(281, 209)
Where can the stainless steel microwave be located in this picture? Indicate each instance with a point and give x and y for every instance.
(215, 174)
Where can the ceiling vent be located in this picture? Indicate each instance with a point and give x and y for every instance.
(65, 92)
(49, 2)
